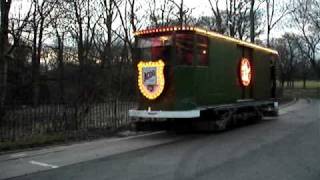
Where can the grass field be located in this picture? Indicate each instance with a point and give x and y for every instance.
(312, 90)
(309, 84)
(301, 93)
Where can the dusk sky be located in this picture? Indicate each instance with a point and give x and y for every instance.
(199, 7)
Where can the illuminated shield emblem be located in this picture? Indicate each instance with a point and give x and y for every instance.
(151, 78)
(245, 72)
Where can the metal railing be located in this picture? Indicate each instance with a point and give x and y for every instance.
(23, 121)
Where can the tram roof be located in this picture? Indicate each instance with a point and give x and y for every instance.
(206, 33)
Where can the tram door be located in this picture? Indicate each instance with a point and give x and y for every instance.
(273, 75)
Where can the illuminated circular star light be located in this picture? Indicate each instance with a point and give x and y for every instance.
(151, 91)
(245, 72)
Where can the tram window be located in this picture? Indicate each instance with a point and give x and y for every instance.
(160, 52)
(154, 42)
(155, 47)
(184, 48)
(202, 50)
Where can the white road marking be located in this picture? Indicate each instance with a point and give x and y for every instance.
(18, 155)
(43, 164)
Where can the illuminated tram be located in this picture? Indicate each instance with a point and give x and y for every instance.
(191, 73)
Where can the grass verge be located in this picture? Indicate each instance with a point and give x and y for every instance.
(59, 138)
(33, 141)
(302, 93)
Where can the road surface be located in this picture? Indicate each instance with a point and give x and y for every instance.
(285, 148)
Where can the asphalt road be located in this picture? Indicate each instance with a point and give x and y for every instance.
(283, 148)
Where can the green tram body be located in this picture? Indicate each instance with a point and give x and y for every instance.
(215, 84)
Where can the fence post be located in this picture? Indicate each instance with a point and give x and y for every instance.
(2, 113)
(115, 114)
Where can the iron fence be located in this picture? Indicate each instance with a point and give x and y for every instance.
(19, 122)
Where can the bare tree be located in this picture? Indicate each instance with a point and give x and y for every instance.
(274, 15)
(58, 23)
(160, 14)
(183, 13)
(303, 65)
(315, 14)
(40, 21)
(305, 18)
(239, 23)
(289, 54)
(239, 18)
(249, 19)
(129, 22)
(235, 12)
(217, 16)
(252, 20)
(4, 46)
(130, 16)
(83, 23)
(205, 22)
(18, 27)
(105, 39)
(9, 26)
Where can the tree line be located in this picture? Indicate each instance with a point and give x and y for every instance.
(81, 50)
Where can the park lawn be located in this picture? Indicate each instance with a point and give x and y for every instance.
(312, 90)
(309, 84)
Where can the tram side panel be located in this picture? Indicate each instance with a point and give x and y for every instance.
(223, 84)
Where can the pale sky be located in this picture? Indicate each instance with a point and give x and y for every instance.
(200, 7)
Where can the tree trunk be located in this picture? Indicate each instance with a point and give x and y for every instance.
(35, 75)
(4, 46)
(252, 18)
(61, 66)
(36, 56)
(109, 34)
(292, 84)
(268, 35)
(82, 80)
(35, 64)
(37, 79)
(304, 82)
(181, 13)
(81, 52)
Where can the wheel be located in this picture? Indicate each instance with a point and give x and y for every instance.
(224, 121)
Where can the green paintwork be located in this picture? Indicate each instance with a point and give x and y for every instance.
(191, 87)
